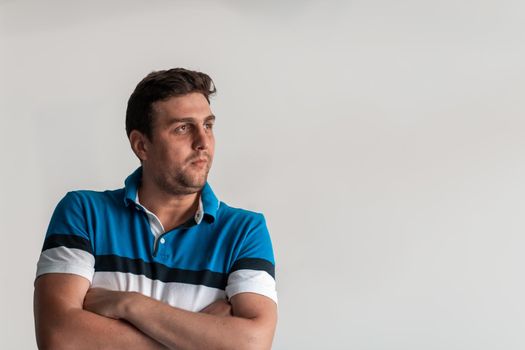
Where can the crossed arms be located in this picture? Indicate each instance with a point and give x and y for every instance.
(70, 315)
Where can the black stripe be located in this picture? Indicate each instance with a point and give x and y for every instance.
(69, 241)
(254, 264)
(156, 271)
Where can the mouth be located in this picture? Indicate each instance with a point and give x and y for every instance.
(199, 161)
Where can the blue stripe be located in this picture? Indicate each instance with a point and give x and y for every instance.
(100, 223)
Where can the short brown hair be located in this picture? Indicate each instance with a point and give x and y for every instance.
(158, 86)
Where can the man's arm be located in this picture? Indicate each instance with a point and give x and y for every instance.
(251, 327)
(61, 323)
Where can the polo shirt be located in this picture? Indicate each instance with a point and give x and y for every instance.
(113, 241)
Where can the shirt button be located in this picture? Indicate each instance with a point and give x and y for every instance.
(162, 240)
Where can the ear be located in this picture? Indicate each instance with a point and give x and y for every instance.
(139, 144)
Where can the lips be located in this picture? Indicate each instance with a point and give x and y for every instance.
(199, 161)
(201, 158)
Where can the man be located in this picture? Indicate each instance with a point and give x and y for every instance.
(160, 263)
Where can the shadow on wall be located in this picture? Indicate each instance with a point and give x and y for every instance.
(270, 7)
(278, 8)
(33, 16)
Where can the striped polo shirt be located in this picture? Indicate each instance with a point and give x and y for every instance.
(113, 241)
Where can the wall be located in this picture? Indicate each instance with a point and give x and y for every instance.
(382, 139)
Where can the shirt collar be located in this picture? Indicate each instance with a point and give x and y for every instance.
(208, 202)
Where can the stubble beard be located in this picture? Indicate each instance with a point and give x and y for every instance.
(183, 182)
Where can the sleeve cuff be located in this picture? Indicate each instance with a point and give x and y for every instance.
(66, 260)
(82, 271)
(251, 281)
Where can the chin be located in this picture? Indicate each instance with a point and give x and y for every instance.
(197, 182)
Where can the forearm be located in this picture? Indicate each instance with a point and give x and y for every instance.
(251, 327)
(181, 329)
(80, 329)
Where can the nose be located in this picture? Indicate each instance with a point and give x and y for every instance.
(200, 139)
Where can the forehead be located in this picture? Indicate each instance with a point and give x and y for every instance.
(193, 105)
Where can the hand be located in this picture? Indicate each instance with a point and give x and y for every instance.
(218, 308)
(105, 302)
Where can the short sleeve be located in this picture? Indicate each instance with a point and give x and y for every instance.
(67, 247)
(254, 268)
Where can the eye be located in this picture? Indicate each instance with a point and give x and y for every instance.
(208, 125)
(183, 129)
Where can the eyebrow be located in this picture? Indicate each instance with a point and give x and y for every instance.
(188, 119)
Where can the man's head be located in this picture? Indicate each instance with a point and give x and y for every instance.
(169, 124)
(161, 85)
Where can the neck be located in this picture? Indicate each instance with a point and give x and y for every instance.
(172, 210)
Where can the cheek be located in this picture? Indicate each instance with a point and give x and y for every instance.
(164, 155)
(178, 154)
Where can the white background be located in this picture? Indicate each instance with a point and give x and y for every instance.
(383, 140)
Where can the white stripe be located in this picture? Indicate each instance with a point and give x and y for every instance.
(182, 295)
(66, 260)
(252, 281)
(186, 296)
